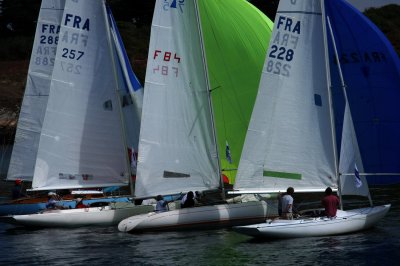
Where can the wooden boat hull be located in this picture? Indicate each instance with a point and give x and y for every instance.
(204, 217)
(93, 216)
(346, 222)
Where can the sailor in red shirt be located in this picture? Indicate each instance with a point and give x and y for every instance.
(330, 202)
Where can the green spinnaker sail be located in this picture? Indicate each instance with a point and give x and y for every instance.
(236, 37)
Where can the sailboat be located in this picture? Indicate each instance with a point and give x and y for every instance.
(83, 142)
(291, 137)
(178, 147)
(25, 148)
(23, 157)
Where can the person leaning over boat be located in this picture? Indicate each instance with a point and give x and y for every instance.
(162, 205)
(330, 203)
(287, 204)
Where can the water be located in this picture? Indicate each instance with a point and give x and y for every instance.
(102, 246)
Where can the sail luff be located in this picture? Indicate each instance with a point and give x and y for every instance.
(347, 111)
(214, 133)
(329, 89)
(123, 132)
(350, 157)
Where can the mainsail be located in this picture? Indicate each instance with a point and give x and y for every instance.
(23, 158)
(81, 143)
(177, 148)
(289, 139)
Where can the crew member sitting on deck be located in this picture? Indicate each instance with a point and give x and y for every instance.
(52, 201)
(162, 205)
(188, 200)
(330, 203)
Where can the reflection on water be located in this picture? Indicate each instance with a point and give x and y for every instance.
(88, 246)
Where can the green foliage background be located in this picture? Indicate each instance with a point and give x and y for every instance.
(387, 19)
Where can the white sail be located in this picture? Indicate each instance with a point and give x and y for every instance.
(177, 151)
(81, 144)
(289, 140)
(23, 158)
(350, 163)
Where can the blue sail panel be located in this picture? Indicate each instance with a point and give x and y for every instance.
(130, 89)
(371, 70)
(125, 64)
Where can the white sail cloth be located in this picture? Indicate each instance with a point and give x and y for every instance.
(289, 140)
(81, 143)
(23, 158)
(177, 151)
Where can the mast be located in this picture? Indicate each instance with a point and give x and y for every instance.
(329, 87)
(209, 96)
(117, 90)
(343, 89)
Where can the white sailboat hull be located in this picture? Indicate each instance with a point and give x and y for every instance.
(93, 216)
(346, 222)
(223, 215)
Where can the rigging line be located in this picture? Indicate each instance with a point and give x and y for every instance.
(210, 102)
(220, 86)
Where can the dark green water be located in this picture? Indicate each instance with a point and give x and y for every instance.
(108, 246)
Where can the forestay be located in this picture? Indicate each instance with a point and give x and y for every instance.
(81, 144)
(23, 158)
(289, 140)
(177, 148)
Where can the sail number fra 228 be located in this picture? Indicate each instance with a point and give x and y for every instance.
(283, 46)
